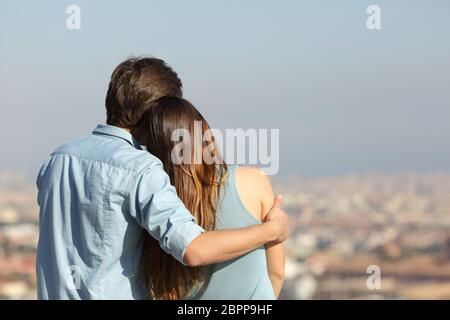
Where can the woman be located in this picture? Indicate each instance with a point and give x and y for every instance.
(220, 197)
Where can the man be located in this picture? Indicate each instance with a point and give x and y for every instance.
(99, 193)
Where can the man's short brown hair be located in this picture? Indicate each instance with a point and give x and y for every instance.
(134, 84)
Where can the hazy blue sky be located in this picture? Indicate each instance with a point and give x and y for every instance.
(345, 99)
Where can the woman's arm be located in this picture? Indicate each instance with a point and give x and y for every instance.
(255, 191)
(275, 265)
(274, 251)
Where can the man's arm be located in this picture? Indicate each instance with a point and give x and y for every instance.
(217, 246)
(156, 206)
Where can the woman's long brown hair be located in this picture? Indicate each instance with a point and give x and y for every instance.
(197, 183)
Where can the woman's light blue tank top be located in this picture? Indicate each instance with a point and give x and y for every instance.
(245, 277)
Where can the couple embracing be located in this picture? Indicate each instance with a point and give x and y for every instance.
(120, 219)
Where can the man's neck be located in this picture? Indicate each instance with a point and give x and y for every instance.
(126, 129)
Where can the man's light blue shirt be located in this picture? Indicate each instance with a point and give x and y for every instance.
(97, 195)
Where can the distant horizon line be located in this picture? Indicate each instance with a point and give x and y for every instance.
(30, 174)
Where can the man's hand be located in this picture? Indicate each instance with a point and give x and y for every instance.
(278, 221)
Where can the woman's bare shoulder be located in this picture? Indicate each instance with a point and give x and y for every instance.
(255, 190)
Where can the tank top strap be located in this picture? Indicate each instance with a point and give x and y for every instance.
(234, 213)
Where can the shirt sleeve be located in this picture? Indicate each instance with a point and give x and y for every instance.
(162, 213)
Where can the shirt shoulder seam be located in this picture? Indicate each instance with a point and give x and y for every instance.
(97, 161)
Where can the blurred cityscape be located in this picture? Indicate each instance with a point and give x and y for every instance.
(340, 227)
(18, 236)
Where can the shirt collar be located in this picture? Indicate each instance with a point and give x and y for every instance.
(117, 132)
